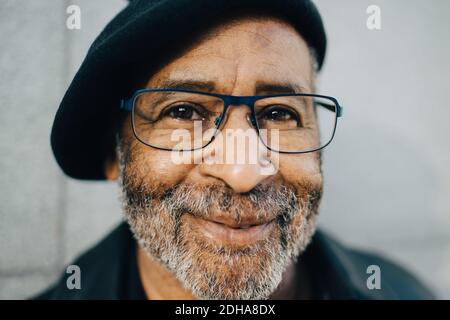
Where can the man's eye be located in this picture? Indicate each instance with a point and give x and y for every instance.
(279, 114)
(182, 112)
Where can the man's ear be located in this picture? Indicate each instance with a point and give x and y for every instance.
(111, 169)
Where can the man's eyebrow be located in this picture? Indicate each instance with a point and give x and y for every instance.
(279, 88)
(209, 86)
(188, 84)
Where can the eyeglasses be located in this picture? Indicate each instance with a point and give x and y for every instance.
(187, 120)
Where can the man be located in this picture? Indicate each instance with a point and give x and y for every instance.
(217, 150)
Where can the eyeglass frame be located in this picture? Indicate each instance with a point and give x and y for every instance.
(230, 100)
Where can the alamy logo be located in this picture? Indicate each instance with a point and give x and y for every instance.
(73, 21)
(374, 19)
(374, 280)
(74, 280)
(243, 147)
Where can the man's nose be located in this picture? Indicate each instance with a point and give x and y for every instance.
(237, 156)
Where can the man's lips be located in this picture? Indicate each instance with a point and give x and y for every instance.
(225, 230)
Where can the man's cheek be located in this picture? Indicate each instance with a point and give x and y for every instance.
(302, 166)
(159, 166)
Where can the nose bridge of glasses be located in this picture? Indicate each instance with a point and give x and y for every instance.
(239, 100)
(236, 101)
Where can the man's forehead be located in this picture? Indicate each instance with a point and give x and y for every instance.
(279, 61)
(261, 28)
(261, 38)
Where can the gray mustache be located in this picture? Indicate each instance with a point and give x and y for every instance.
(262, 202)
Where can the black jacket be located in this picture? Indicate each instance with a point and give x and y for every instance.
(109, 271)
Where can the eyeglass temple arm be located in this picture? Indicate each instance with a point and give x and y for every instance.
(126, 104)
(335, 108)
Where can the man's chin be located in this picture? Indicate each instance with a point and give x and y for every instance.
(213, 269)
(232, 275)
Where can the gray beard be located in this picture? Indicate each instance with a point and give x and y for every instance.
(210, 270)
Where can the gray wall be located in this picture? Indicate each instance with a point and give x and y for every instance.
(387, 176)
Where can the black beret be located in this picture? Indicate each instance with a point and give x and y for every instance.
(140, 38)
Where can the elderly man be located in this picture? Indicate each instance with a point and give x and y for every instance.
(206, 114)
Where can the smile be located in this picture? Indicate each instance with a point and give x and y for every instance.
(225, 231)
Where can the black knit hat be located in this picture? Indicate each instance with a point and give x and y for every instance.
(129, 49)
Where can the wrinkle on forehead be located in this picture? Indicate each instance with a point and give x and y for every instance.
(256, 35)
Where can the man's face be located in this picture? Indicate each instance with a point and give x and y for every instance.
(226, 231)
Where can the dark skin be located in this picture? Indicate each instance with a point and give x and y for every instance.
(235, 58)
